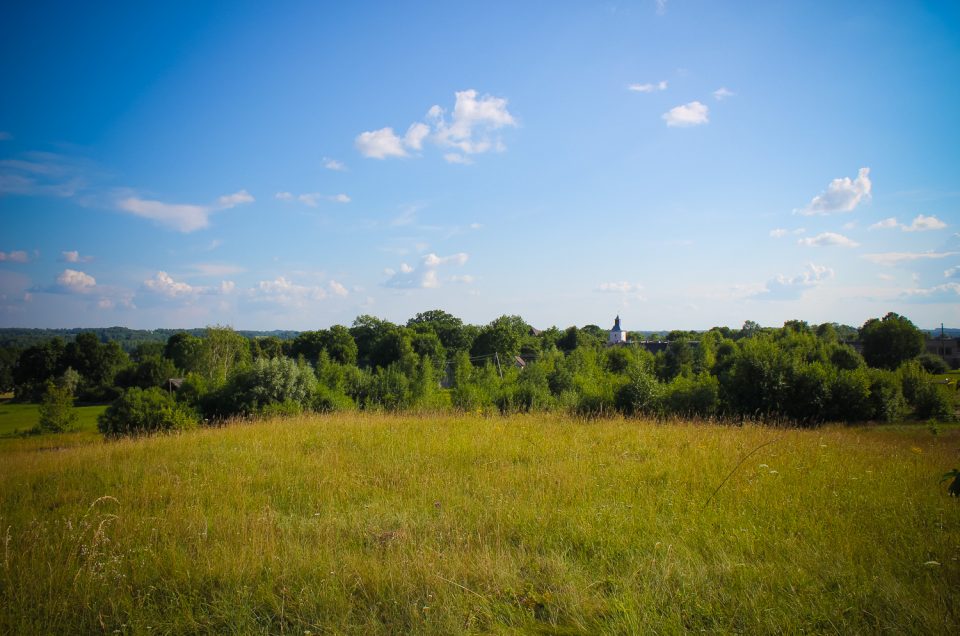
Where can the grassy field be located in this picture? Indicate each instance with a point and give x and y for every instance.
(18, 418)
(372, 524)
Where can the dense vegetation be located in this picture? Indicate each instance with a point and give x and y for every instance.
(798, 373)
(359, 523)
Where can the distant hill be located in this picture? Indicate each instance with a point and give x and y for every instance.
(20, 338)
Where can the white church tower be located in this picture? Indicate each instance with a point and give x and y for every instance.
(617, 335)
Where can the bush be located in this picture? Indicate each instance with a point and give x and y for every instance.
(641, 395)
(56, 410)
(932, 401)
(143, 411)
(327, 400)
(886, 397)
(268, 382)
(850, 397)
(693, 397)
(932, 363)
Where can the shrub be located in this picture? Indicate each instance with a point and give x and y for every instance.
(850, 396)
(932, 363)
(641, 395)
(268, 382)
(693, 397)
(931, 401)
(886, 397)
(142, 411)
(56, 410)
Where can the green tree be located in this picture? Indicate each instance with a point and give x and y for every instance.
(890, 341)
(223, 351)
(185, 350)
(57, 414)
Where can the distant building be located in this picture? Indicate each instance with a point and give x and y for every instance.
(617, 335)
(947, 348)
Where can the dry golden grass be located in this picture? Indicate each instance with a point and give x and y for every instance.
(373, 524)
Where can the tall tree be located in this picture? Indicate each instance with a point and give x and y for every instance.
(890, 341)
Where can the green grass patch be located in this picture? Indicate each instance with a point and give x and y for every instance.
(17, 418)
(367, 524)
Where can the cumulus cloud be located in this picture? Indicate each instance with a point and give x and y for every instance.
(722, 93)
(893, 258)
(923, 223)
(181, 216)
(792, 287)
(686, 115)
(828, 239)
(470, 129)
(647, 88)
(425, 275)
(282, 291)
(76, 282)
(842, 195)
(16, 256)
(164, 284)
(73, 256)
(337, 288)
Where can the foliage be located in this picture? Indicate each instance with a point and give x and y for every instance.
(57, 414)
(890, 341)
(267, 383)
(932, 363)
(143, 411)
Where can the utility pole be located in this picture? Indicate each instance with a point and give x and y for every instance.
(496, 357)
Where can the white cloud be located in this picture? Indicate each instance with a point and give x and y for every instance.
(312, 199)
(380, 144)
(74, 257)
(456, 157)
(842, 195)
(425, 275)
(16, 256)
(76, 282)
(164, 285)
(476, 226)
(692, 114)
(923, 223)
(647, 88)
(722, 93)
(285, 292)
(892, 258)
(661, 7)
(337, 288)
(946, 293)
(920, 224)
(791, 288)
(828, 239)
(470, 130)
(333, 164)
(619, 287)
(885, 224)
(778, 232)
(182, 217)
(466, 279)
(953, 272)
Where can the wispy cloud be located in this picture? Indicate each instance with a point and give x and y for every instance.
(333, 164)
(842, 195)
(692, 114)
(74, 257)
(722, 93)
(164, 284)
(620, 287)
(894, 258)
(312, 199)
(946, 293)
(16, 256)
(181, 216)
(46, 174)
(648, 88)
(286, 293)
(828, 239)
(426, 274)
(469, 130)
(781, 232)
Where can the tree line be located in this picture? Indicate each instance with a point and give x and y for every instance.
(799, 373)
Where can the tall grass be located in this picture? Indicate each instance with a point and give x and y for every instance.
(374, 524)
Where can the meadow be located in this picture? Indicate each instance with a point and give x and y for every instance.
(18, 418)
(385, 524)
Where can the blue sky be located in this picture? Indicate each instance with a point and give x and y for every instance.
(293, 165)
